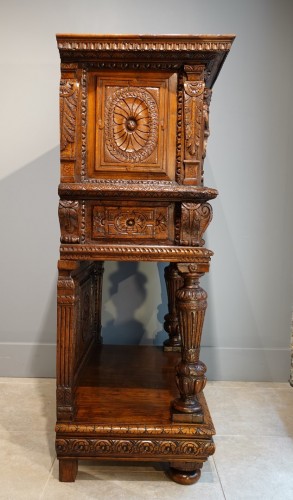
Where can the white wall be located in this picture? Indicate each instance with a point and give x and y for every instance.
(247, 327)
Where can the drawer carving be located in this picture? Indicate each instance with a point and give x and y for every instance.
(130, 222)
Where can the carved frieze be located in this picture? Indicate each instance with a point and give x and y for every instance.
(85, 447)
(195, 218)
(144, 44)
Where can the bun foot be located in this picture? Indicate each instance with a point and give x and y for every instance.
(184, 477)
(67, 470)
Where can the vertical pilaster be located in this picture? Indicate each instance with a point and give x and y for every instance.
(67, 296)
(194, 86)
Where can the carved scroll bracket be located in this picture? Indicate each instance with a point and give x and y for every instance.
(69, 221)
(195, 218)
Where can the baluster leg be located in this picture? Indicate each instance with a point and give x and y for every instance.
(190, 371)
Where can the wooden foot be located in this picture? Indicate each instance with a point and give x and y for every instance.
(184, 477)
(67, 470)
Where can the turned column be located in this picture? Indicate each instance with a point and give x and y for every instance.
(190, 372)
(174, 281)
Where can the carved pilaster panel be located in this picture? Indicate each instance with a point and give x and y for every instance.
(180, 129)
(193, 92)
(68, 111)
(69, 221)
(206, 133)
(193, 123)
(195, 218)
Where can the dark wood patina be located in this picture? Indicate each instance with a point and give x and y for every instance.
(134, 124)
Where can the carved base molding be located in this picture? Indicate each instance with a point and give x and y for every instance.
(138, 253)
(158, 449)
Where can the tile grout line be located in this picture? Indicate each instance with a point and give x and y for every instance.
(222, 488)
(48, 479)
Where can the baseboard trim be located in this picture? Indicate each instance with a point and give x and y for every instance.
(267, 365)
(27, 360)
(247, 364)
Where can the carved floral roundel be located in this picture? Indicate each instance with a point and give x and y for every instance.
(131, 124)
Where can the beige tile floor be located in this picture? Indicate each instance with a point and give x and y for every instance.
(253, 459)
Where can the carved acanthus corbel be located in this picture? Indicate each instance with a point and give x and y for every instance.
(195, 218)
(69, 221)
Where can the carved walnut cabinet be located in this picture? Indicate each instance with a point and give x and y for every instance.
(134, 124)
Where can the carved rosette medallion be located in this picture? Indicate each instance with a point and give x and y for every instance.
(131, 222)
(131, 124)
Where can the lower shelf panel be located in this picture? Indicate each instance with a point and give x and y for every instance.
(123, 413)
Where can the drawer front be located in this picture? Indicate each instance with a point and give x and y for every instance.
(132, 222)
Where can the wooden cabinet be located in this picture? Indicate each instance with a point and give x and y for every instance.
(134, 124)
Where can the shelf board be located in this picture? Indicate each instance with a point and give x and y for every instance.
(132, 384)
